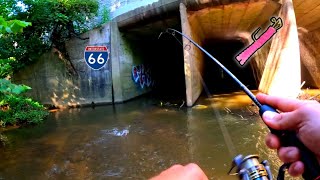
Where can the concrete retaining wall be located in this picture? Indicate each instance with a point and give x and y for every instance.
(308, 23)
(310, 55)
(124, 57)
(193, 57)
(53, 83)
(282, 74)
(222, 21)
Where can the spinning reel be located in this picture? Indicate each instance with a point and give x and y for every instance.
(249, 168)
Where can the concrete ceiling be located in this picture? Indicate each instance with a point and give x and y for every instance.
(151, 31)
(307, 14)
(228, 20)
(225, 21)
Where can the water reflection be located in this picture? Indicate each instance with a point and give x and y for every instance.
(135, 140)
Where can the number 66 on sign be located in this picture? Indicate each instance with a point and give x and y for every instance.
(96, 56)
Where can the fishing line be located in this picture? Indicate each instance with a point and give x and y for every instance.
(242, 86)
(173, 34)
(224, 130)
(287, 138)
(226, 136)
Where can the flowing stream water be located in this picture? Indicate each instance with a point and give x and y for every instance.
(135, 140)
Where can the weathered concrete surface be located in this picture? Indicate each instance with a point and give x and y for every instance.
(161, 9)
(115, 61)
(193, 58)
(282, 74)
(310, 55)
(207, 20)
(119, 7)
(195, 5)
(53, 84)
(307, 14)
(233, 19)
(223, 21)
(308, 21)
(202, 20)
(124, 57)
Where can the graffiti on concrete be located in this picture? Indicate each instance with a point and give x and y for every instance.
(243, 56)
(141, 75)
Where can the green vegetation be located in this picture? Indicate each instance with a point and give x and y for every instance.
(28, 28)
(17, 109)
(14, 107)
(53, 22)
(105, 15)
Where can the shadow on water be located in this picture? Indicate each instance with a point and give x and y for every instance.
(135, 140)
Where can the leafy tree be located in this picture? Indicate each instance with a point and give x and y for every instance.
(7, 7)
(15, 108)
(13, 26)
(53, 22)
(105, 14)
(8, 27)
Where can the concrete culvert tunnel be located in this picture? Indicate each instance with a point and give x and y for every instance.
(278, 68)
(224, 29)
(168, 68)
(162, 56)
(216, 80)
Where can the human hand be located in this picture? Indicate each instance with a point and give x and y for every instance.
(301, 116)
(179, 172)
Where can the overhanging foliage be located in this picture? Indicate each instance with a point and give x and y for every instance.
(53, 22)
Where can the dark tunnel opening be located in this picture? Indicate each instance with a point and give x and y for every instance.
(164, 57)
(168, 69)
(215, 78)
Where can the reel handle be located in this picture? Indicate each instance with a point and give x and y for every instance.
(289, 138)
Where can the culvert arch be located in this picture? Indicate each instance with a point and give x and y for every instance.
(226, 20)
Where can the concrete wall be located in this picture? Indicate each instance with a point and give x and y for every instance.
(234, 19)
(260, 59)
(122, 6)
(308, 21)
(310, 55)
(124, 57)
(193, 57)
(222, 21)
(307, 14)
(282, 75)
(54, 81)
(118, 7)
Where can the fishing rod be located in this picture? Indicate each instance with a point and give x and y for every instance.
(287, 138)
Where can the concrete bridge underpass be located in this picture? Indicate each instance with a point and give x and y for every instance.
(174, 69)
(224, 28)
